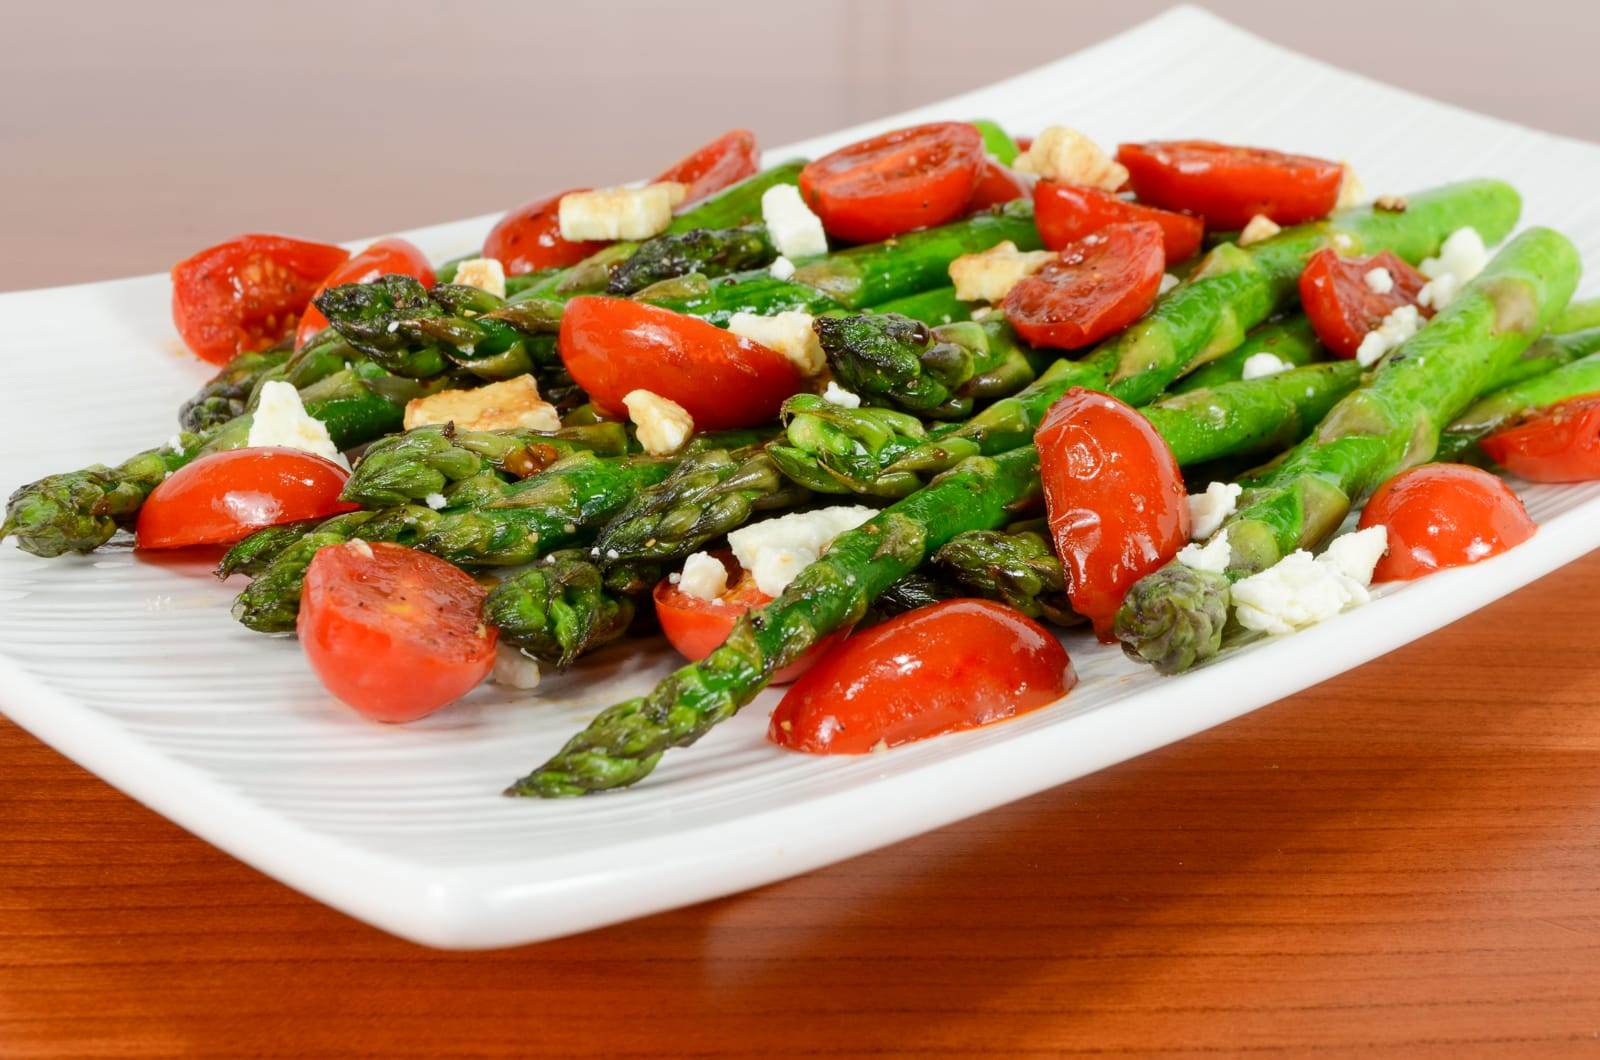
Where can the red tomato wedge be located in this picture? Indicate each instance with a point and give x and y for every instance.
(1228, 185)
(247, 293)
(1116, 501)
(1343, 306)
(1444, 515)
(383, 258)
(729, 158)
(952, 665)
(529, 238)
(1099, 285)
(1066, 213)
(1559, 444)
(697, 627)
(393, 632)
(614, 345)
(893, 183)
(225, 497)
(996, 185)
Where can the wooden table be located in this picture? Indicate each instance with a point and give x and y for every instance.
(1405, 856)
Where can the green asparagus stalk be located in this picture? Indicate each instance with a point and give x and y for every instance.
(1581, 314)
(559, 608)
(920, 588)
(1505, 406)
(710, 252)
(1174, 617)
(1017, 568)
(1291, 340)
(997, 143)
(829, 448)
(938, 306)
(256, 553)
(225, 394)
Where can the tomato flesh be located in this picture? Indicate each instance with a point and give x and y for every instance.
(612, 346)
(949, 666)
(1444, 515)
(729, 158)
(1115, 498)
(1343, 309)
(529, 238)
(894, 183)
(225, 497)
(247, 293)
(1559, 444)
(996, 185)
(383, 258)
(1228, 185)
(1065, 213)
(1096, 287)
(393, 632)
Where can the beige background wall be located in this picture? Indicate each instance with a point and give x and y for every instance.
(134, 133)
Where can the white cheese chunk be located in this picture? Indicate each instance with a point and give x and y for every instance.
(663, 424)
(280, 419)
(1213, 556)
(790, 333)
(1168, 282)
(1066, 155)
(838, 395)
(435, 501)
(988, 275)
(1208, 510)
(703, 577)
(1260, 227)
(1356, 554)
(498, 406)
(1379, 280)
(619, 213)
(1463, 256)
(792, 227)
(1300, 591)
(486, 274)
(513, 669)
(1262, 364)
(1350, 190)
(782, 269)
(1396, 328)
(774, 551)
(1439, 292)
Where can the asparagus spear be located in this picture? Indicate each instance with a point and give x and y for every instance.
(1291, 340)
(1174, 617)
(224, 395)
(707, 251)
(1581, 314)
(1017, 568)
(1504, 406)
(561, 607)
(938, 306)
(256, 553)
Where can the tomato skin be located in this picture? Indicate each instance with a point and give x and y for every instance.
(1066, 213)
(614, 345)
(1116, 501)
(1228, 185)
(395, 634)
(1096, 287)
(225, 497)
(246, 294)
(895, 182)
(996, 185)
(528, 238)
(1342, 308)
(383, 258)
(1559, 444)
(976, 662)
(729, 158)
(1444, 515)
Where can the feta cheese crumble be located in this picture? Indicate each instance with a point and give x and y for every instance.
(1379, 280)
(838, 395)
(774, 551)
(703, 577)
(781, 269)
(280, 419)
(790, 333)
(1066, 155)
(1396, 328)
(435, 501)
(1168, 282)
(619, 213)
(513, 669)
(1260, 227)
(792, 227)
(663, 424)
(1300, 591)
(486, 274)
(988, 275)
(1258, 365)
(498, 406)
(1208, 510)
(1214, 556)
(1461, 258)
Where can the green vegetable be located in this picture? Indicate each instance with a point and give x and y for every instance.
(1503, 407)
(1291, 340)
(708, 251)
(996, 141)
(1580, 315)
(225, 394)
(938, 306)
(1017, 568)
(559, 608)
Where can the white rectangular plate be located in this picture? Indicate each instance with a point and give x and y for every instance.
(135, 670)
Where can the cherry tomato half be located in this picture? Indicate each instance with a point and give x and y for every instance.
(729, 158)
(893, 183)
(1099, 285)
(996, 184)
(383, 258)
(1228, 185)
(697, 627)
(1559, 444)
(1115, 498)
(1342, 307)
(949, 666)
(225, 497)
(1066, 213)
(1444, 515)
(529, 238)
(393, 632)
(247, 293)
(615, 345)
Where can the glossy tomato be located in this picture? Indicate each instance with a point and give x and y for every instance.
(1066, 213)
(1343, 306)
(697, 627)
(383, 258)
(529, 238)
(726, 160)
(893, 183)
(247, 293)
(1444, 515)
(225, 497)
(996, 185)
(952, 665)
(1559, 444)
(614, 345)
(1096, 287)
(1228, 185)
(393, 632)
(1115, 498)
